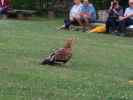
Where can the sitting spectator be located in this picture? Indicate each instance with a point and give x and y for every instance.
(113, 20)
(87, 14)
(75, 11)
(74, 14)
(4, 6)
(127, 19)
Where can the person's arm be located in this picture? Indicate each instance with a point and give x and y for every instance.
(82, 11)
(93, 12)
(110, 8)
(126, 15)
(71, 14)
(121, 12)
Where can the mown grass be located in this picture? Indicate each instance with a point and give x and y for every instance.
(100, 68)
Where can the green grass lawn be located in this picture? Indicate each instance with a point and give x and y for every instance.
(100, 68)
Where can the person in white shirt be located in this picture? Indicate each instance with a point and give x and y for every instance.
(127, 19)
(75, 11)
(74, 15)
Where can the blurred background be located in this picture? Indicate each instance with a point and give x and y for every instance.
(57, 7)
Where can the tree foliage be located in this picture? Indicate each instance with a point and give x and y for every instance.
(42, 4)
(23, 4)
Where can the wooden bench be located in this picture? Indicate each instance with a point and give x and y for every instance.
(20, 14)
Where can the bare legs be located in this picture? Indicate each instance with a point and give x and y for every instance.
(83, 21)
(78, 19)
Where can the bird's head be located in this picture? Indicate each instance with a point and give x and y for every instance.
(69, 43)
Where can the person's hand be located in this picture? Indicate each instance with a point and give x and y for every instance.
(128, 16)
(77, 16)
(114, 10)
(111, 6)
(112, 3)
(71, 18)
(131, 15)
(121, 18)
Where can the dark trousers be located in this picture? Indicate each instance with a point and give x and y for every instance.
(124, 24)
(68, 22)
(111, 25)
(3, 11)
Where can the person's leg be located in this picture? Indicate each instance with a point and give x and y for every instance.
(78, 19)
(1, 11)
(129, 22)
(85, 23)
(110, 25)
(123, 25)
(67, 23)
(86, 19)
(115, 25)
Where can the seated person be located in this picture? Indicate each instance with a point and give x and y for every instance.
(74, 14)
(127, 19)
(4, 6)
(87, 13)
(113, 20)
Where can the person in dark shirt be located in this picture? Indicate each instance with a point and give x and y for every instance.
(5, 5)
(112, 22)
